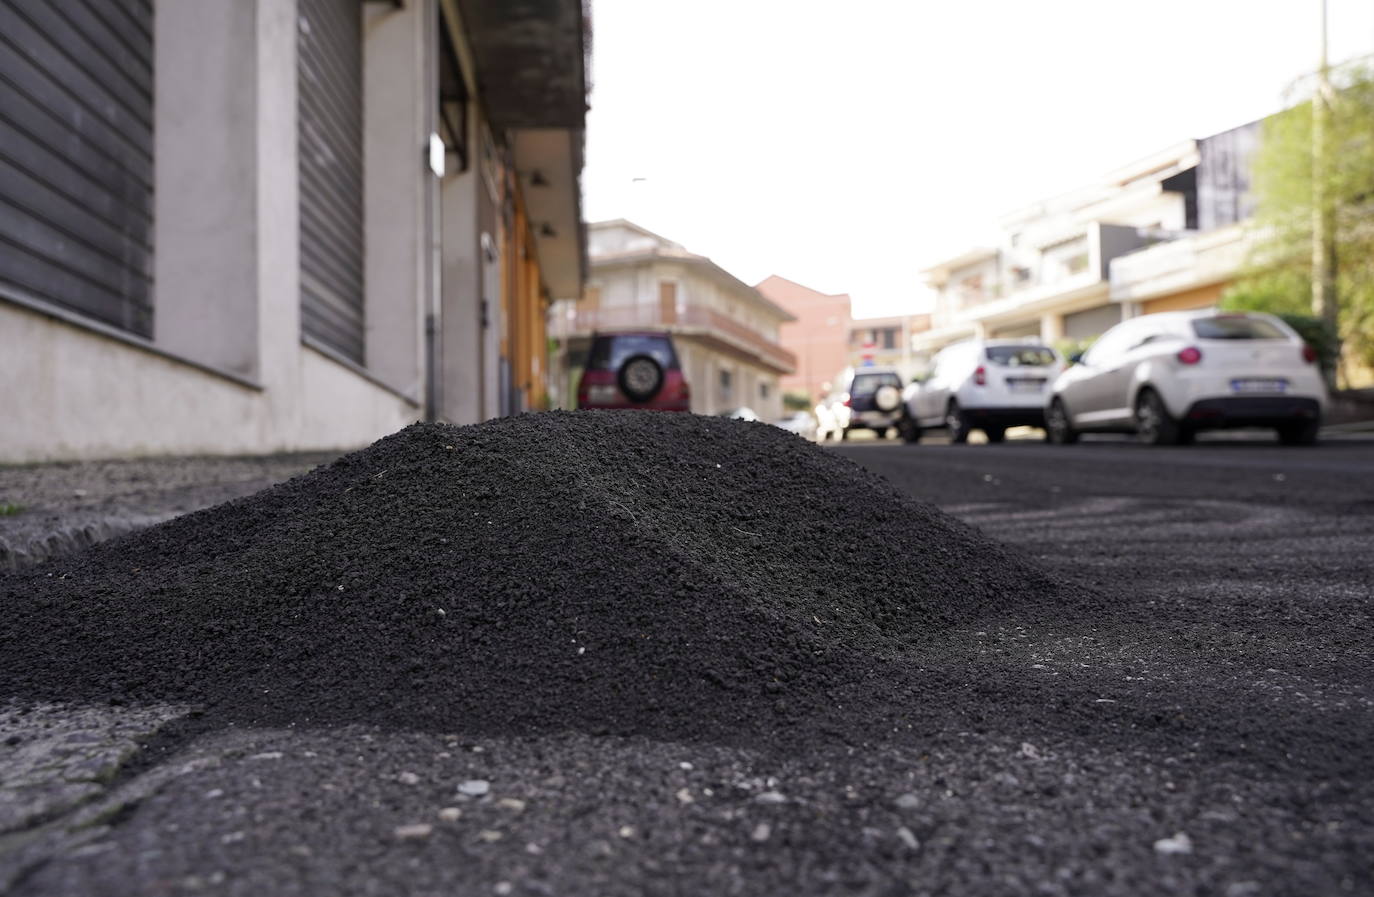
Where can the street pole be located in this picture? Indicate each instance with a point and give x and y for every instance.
(1324, 299)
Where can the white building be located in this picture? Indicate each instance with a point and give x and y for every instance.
(1160, 234)
(245, 226)
(725, 331)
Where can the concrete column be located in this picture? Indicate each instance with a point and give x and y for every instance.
(396, 222)
(1051, 327)
(206, 197)
(227, 211)
(461, 354)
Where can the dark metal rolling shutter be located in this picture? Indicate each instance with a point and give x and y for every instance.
(76, 157)
(331, 173)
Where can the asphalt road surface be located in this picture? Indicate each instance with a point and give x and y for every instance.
(1214, 738)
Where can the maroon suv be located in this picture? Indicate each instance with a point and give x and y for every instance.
(633, 370)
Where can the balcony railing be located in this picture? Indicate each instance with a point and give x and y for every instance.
(692, 320)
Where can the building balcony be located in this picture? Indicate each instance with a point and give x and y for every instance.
(706, 324)
(1193, 260)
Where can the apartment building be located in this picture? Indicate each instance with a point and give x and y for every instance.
(727, 334)
(1162, 233)
(269, 225)
(817, 337)
(886, 342)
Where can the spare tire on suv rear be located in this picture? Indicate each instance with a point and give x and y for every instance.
(887, 398)
(640, 377)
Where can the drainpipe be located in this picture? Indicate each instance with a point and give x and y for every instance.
(436, 157)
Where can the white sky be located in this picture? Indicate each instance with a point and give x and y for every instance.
(846, 144)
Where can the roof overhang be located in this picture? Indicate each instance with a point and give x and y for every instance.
(530, 58)
(550, 162)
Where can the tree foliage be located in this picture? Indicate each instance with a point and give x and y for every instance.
(1279, 274)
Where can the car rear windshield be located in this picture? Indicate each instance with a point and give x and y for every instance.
(609, 352)
(1020, 356)
(1236, 328)
(867, 384)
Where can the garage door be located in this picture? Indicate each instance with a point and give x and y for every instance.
(1093, 322)
(76, 157)
(331, 174)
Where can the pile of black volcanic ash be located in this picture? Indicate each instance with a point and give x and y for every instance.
(626, 572)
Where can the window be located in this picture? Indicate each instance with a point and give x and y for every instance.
(867, 384)
(667, 301)
(1020, 356)
(1236, 327)
(889, 337)
(763, 390)
(609, 352)
(727, 385)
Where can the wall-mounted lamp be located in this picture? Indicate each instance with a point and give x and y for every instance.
(546, 230)
(537, 179)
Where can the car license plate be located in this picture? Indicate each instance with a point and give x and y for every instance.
(603, 395)
(1026, 385)
(1259, 384)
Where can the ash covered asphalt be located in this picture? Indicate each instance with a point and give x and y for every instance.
(776, 675)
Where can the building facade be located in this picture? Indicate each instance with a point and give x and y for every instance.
(1165, 233)
(727, 334)
(817, 336)
(271, 225)
(886, 342)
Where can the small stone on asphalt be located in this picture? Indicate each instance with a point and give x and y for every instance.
(414, 832)
(1178, 844)
(474, 787)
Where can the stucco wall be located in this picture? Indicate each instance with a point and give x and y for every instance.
(74, 394)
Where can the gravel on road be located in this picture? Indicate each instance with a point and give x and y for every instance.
(685, 655)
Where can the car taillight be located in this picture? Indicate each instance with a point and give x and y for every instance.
(980, 376)
(1190, 355)
(846, 400)
(1309, 354)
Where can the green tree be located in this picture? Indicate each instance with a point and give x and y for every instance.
(1293, 187)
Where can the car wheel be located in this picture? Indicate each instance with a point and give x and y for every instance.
(910, 430)
(844, 434)
(1058, 428)
(640, 377)
(1153, 424)
(995, 434)
(1304, 433)
(956, 423)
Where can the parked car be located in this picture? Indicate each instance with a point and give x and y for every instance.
(742, 413)
(831, 418)
(873, 397)
(986, 385)
(1166, 376)
(800, 423)
(633, 370)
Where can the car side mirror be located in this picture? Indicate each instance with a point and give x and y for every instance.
(1076, 358)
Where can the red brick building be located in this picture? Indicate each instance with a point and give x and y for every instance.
(819, 336)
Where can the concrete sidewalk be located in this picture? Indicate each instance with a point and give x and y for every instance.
(52, 509)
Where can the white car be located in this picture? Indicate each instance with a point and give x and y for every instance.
(1166, 376)
(986, 385)
(799, 422)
